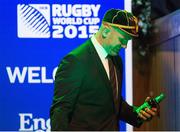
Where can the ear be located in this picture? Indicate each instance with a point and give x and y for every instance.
(105, 32)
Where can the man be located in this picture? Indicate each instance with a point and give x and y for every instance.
(87, 93)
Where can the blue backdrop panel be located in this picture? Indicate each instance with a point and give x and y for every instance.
(34, 36)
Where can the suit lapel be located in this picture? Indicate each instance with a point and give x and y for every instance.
(100, 68)
(102, 72)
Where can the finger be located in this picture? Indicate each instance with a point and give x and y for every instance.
(142, 117)
(154, 109)
(145, 114)
(151, 112)
(148, 98)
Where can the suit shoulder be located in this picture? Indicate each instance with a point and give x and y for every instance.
(82, 50)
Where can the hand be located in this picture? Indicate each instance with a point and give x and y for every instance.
(147, 113)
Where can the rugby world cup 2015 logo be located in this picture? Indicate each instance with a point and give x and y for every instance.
(33, 20)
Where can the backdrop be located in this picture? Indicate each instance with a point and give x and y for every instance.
(34, 37)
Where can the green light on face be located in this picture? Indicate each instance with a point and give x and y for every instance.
(123, 33)
(123, 41)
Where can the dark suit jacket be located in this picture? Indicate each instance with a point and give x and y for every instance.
(83, 97)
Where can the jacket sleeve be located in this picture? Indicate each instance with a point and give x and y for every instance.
(67, 84)
(128, 114)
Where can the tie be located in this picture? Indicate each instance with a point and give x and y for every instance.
(112, 75)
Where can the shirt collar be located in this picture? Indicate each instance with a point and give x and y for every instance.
(100, 50)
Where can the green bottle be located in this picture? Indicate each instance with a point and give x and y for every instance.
(151, 103)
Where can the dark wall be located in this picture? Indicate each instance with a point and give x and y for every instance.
(160, 72)
(161, 8)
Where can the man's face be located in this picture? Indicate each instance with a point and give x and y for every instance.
(116, 40)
